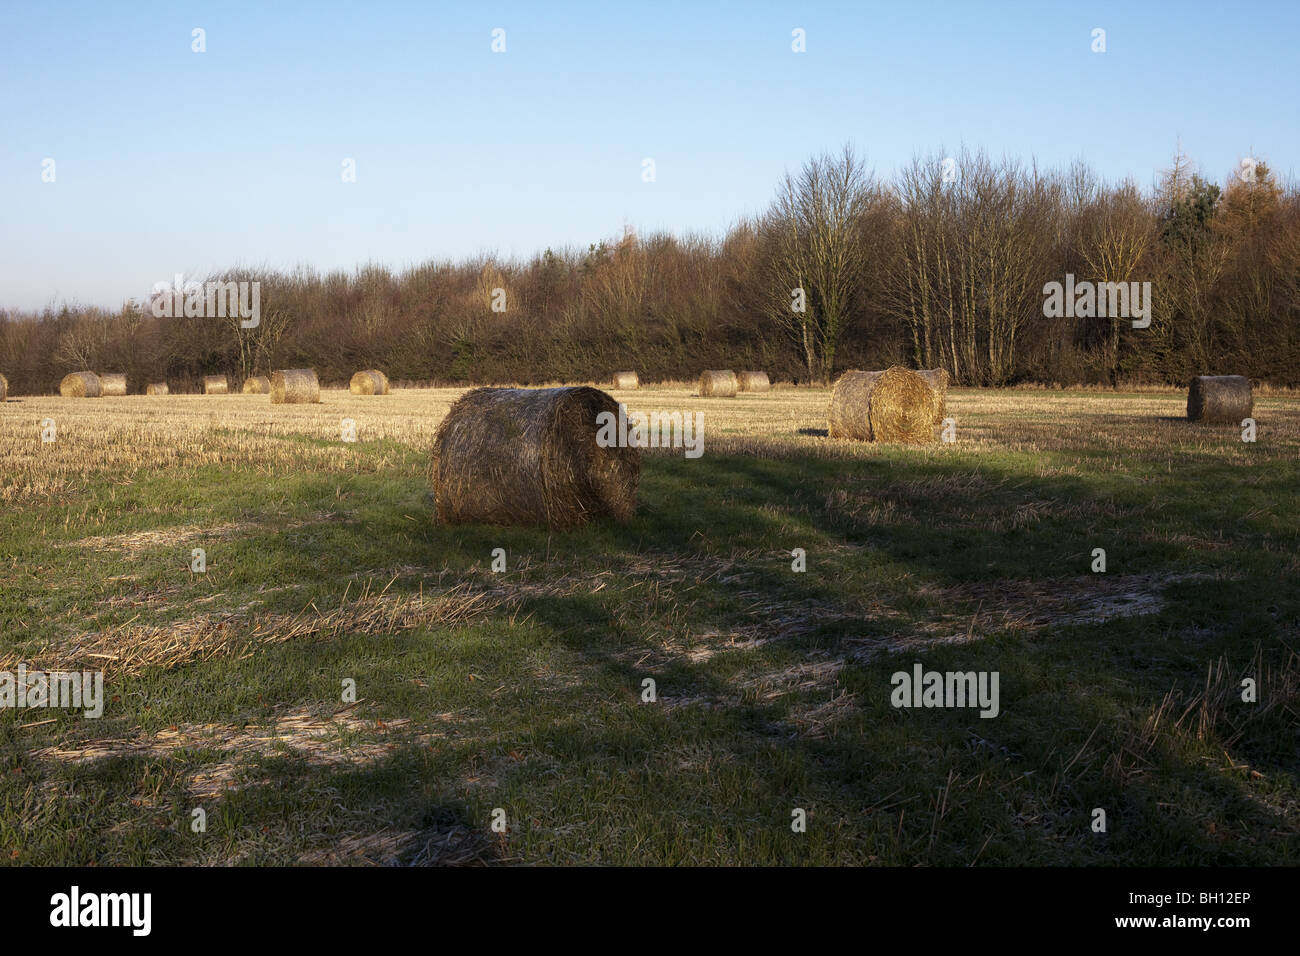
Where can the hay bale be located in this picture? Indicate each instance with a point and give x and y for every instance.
(753, 381)
(937, 379)
(530, 456)
(4, 388)
(902, 408)
(1219, 399)
(112, 383)
(294, 386)
(80, 385)
(257, 385)
(215, 385)
(370, 382)
(719, 384)
(156, 388)
(895, 405)
(849, 415)
(626, 380)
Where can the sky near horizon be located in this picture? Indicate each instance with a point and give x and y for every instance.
(167, 160)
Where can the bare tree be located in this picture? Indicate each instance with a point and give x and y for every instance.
(815, 257)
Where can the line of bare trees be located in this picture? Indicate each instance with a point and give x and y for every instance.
(944, 265)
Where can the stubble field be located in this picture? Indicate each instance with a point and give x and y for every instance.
(522, 690)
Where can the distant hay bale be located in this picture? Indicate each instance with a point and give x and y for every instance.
(257, 385)
(215, 385)
(1219, 399)
(753, 381)
(156, 388)
(370, 382)
(937, 379)
(530, 456)
(112, 383)
(80, 385)
(4, 388)
(849, 415)
(719, 384)
(295, 386)
(626, 380)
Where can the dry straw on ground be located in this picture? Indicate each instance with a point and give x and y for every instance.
(626, 380)
(530, 456)
(719, 384)
(80, 385)
(294, 386)
(112, 383)
(215, 385)
(156, 388)
(257, 385)
(370, 382)
(937, 379)
(849, 415)
(1219, 399)
(753, 382)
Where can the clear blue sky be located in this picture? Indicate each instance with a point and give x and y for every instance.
(172, 161)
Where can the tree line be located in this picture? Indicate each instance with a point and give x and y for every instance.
(944, 264)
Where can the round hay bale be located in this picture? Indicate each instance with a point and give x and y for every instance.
(370, 382)
(719, 384)
(626, 380)
(937, 379)
(294, 386)
(849, 415)
(902, 408)
(753, 381)
(215, 385)
(112, 383)
(257, 385)
(4, 388)
(80, 385)
(156, 388)
(530, 456)
(1219, 399)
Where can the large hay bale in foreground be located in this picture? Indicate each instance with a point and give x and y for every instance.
(753, 381)
(370, 382)
(257, 385)
(530, 456)
(112, 383)
(895, 405)
(937, 379)
(156, 388)
(295, 386)
(849, 415)
(719, 384)
(4, 388)
(626, 380)
(215, 385)
(902, 409)
(80, 385)
(1219, 399)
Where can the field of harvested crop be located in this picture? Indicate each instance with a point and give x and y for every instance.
(348, 680)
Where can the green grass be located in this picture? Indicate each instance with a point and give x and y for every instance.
(534, 707)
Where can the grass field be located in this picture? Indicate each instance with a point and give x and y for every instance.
(522, 689)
